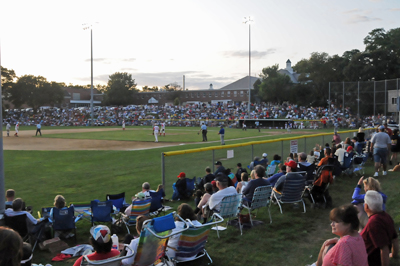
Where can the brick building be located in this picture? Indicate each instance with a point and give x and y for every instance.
(75, 97)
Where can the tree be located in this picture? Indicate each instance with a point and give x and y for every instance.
(35, 92)
(148, 89)
(274, 87)
(172, 87)
(120, 89)
(7, 80)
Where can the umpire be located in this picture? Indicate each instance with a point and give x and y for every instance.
(204, 131)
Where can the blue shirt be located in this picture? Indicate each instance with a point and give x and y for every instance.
(222, 131)
(203, 127)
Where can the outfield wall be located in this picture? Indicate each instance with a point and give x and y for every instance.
(194, 161)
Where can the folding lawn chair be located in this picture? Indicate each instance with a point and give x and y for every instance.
(192, 242)
(153, 239)
(190, 186)
(261, 198)
(118, 201)
(101, 211)
(82, 209)
(230, 208)
(271, 170)
(156, 206)
(114, 261)
(64, 220)
(292, 191)
(139, 207)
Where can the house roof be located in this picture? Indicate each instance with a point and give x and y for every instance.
(241, 84)
(294, 77)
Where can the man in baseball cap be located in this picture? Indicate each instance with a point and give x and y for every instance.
(100, 239)
(291, 168)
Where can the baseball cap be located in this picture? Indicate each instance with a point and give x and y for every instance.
(349, 149)
(101, 234)
(264, 155)
(381, 127)
(140, 195)
(291, 164)
(221, 178)
(218, 163)
(182, 174)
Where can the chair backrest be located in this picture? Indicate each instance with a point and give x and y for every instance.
(293, 188)
(261, 197)
(150, 248)
(18, 223)
(192, 242)
(118, 200)
(156, 201)
(230, 206)
(139, 207)
(46, 212)
(101, 210)
(271, 170)
(347, 160)
(190, 184)
(309, 175)
(64, 219)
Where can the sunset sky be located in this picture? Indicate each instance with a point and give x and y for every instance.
(159, 41)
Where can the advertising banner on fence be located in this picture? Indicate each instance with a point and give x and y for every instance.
(293, 146)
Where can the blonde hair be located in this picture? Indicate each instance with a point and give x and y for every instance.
(372, 184)
(253, 174)
(59, 201)
(360, 130)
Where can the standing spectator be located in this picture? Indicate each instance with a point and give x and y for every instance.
(239, 171)
(336, 138)
(379, 234)
(203, 130)
(395, 148)
(388, 130)
(244, 127)
(257, 123)
(8, 127)
(10, 247)
(180, 186)
(221, 133)
(340, 153)
(381, 144)
(39, 129)
(155, 132)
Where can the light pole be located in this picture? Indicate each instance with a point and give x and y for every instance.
(249, 20)
(88, 26)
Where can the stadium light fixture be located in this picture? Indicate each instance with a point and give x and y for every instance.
(249, 20)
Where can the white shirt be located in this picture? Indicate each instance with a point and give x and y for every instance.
(156, 128)
(163, 125)
(8, 126)
(173, 240)
(215, 199)
(133, 245)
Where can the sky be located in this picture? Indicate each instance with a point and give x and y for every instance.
(158, 41)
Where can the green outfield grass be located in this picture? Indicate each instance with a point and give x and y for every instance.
(176, 134)
(294, 238)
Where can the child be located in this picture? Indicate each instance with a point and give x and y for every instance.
(209, 191)
(160, 188)
(197, 197)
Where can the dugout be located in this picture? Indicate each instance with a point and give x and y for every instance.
(264, 123)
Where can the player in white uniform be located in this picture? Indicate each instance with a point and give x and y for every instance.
(16, 129)
(155, 132)
(8, 127)
(162, 128)
(123, 124)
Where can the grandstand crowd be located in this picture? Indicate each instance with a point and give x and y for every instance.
(189, 115)
(366, 232)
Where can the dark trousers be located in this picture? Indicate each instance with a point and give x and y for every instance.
(38, 130)
(204, 133)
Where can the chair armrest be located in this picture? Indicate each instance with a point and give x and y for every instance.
(102, 262)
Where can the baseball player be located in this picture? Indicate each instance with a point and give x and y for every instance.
(16, 129)
(8, 127)
(162, 128)
(244, 127)
(123, 124)
(258, 126)
(39, 129)
(155, 132)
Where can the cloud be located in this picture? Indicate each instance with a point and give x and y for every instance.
(394, 9)
(128, 59)
(352, 11)
(111, 60)
(356, 18)
(254, 54)
(375, 1)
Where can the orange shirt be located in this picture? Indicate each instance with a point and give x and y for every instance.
(326, 175)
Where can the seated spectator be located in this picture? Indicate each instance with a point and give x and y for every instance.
(59, 203)
(17, 210)
(291, 167)
(134, 242)
(10, 196)
(231, 176)
(356, 146)
(317, 153)
(361, 135)
(252, 174)
(239, 172)
(100, 240)
(180, 186)
(220, 168)
(146, 189)
(295, 157)
(138, 197)
(273, 179)
(248, 191)
(303, 159)
(242, 184)
(208, 178)
(205, 197)
(264, 160)
(340, 152)
(10, 247)
(276, 160)
(224, 190)
(321, 181)
(26, 254)
(336, 138)
(379, 234)
(370, 183)
(346, 143)
(348, 249)
(160, 189)
(311, 157)
(255, 162)
(185, 212)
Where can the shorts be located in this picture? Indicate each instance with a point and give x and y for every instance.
(380, 155)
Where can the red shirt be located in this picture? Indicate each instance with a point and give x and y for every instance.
(378, 232)
(98, 256)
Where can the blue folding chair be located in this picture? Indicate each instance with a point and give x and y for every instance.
(101, 211)
(156, 206)
(64, 220)
(118, 201)
(190, 186)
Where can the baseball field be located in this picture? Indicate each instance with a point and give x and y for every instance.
(87, 163)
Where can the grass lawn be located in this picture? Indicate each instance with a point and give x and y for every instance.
(294, 238)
